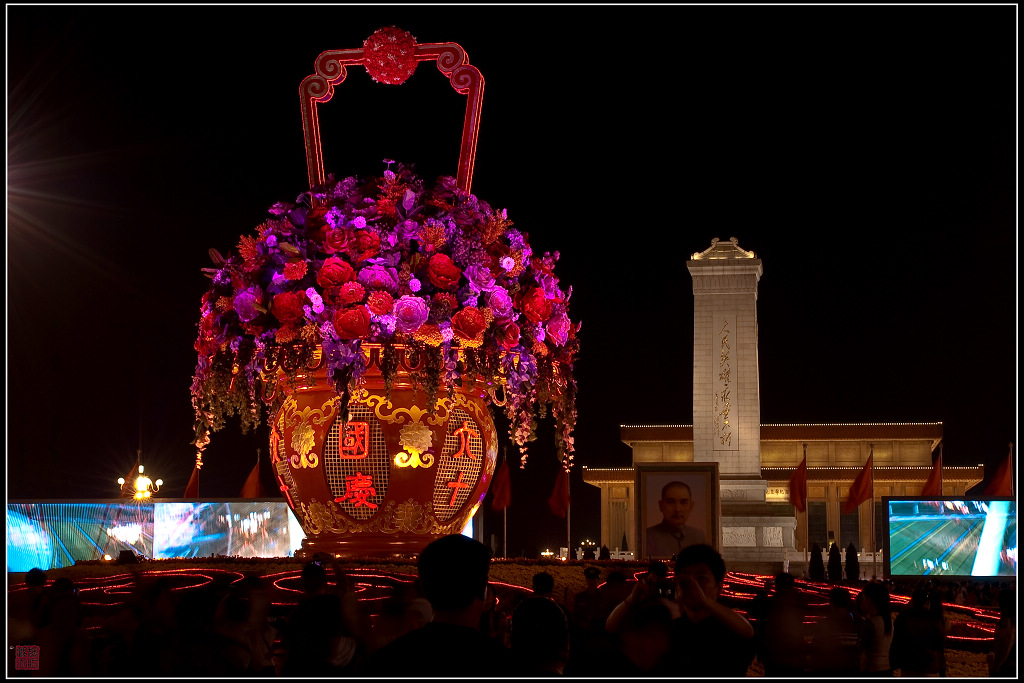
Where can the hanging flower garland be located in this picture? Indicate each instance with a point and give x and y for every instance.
(388, 261)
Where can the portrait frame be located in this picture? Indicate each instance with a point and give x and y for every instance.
(703, 480)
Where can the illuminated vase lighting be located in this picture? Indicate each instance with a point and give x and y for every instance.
(395, 476)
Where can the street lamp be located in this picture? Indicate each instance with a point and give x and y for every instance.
(144, 486)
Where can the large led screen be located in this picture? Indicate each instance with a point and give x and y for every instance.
(243, 529)
(54, 535)
(951, 537)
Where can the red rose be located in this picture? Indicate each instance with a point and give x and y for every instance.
(352, 323)
(351, 293)
(442, 272)
(334, 272)
(336, 239)
(508, 334)
(287, 307)
(380, 302)
(468, 323)
(366, 245)
(535, 305)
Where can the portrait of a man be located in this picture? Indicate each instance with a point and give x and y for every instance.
(672, 534)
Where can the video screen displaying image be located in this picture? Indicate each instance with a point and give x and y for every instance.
(244, 528)
(54, 535)
(952, 538)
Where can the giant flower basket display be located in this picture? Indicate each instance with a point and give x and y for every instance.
(379, 320)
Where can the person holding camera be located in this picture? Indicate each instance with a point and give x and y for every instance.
(653, 587)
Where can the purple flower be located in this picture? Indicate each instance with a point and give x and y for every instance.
(414, 285)
(340, 355)
(515, 239)
(408, 229)
(359, 222)
(335, 218)
(410, 312)
(387, 323)
(408, 200)
(327, 331)
(271, 240)
(447, 334)
(379, 277)
(500, 302)
(246, 302)
(507, 263)
(480, 278)
(550, 285)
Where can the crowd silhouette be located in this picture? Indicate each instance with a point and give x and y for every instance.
(450, 623)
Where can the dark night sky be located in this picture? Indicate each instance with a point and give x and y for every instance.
(866, 154)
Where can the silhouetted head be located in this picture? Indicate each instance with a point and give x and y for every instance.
(543, 583)
(1007, 600)
(314, 577)
(785, 582)
(840, 597)
(702, 554)
(36, 577)
(453, 572)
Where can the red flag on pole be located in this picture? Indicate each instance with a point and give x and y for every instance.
(192, 490)
(1001, 483)
(798, 486)
(861, 489)
(559, 500)
(128, 488)
(253, 488)
(933, 487)
(501, 488)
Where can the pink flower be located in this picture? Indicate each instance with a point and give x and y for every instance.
(410, 312)
(500, 303)
(558, 329)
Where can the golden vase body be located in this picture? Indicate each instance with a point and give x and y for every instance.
(396, 476)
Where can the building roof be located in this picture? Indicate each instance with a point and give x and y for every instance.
(889, 431)
(627, 475)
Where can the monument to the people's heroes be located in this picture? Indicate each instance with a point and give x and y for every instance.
(727, 405)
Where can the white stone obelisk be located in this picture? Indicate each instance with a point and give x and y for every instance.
(726, 400)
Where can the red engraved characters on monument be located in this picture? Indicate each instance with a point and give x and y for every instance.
(355, 445)
(464, 433)
(359, 489)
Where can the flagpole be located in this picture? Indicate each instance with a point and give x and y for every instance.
(568, 506)
(807, 526)
(874, 554)
(504, 537)
(940, 468)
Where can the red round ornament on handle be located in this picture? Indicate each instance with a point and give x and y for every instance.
(389, 55)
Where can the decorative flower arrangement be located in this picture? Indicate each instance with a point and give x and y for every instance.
(388, 261)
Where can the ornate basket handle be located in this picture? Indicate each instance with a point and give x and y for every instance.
(331, 65)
